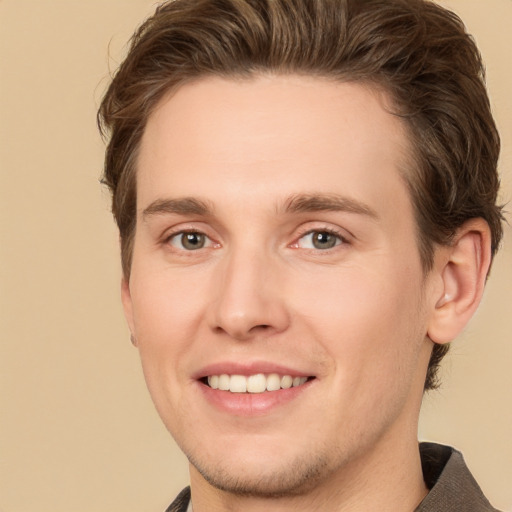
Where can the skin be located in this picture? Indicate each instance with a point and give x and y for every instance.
(354, 317)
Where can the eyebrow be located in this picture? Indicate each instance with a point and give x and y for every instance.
(302, 203)
(180, 206)
(298, 203)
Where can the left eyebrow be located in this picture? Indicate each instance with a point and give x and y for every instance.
(301, 203)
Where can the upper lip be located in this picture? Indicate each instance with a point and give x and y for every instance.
(249, 368)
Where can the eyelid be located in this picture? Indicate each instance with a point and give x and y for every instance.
(175, 232)
(183, 227)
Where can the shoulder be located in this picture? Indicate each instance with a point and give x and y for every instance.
(180, 504)
(452, 486)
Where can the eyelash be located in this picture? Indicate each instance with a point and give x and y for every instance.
(341, 240)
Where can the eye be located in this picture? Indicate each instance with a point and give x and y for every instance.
(190, 241)
(320, 240)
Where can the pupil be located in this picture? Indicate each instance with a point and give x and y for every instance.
(323, 240)
(193, 241)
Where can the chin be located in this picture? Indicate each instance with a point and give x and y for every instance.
(265, 479)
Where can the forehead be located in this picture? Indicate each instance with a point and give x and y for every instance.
(272, 134)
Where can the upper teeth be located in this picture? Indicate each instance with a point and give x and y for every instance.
(254, 383)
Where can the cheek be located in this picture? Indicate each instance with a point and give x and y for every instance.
(166, 304)
(367, 321)
(167, 313)
(162, 326)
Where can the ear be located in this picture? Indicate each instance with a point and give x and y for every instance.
(126, 299)
(463, 271)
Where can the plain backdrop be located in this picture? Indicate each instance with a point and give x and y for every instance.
(78, 431)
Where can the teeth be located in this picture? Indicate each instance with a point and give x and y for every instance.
(258, 383)
(224, 382)
(286, 382)
(273, 382)
(238, 384)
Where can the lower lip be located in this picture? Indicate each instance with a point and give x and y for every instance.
(251, 404)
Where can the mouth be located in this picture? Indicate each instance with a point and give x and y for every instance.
(257, 383)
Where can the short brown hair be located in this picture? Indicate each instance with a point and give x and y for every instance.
(418, 52)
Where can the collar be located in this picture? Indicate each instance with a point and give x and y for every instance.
(452, 486)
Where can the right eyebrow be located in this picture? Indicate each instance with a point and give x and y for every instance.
(179, 206)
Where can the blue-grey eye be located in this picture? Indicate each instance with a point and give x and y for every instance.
(319, 240)
(190, 241)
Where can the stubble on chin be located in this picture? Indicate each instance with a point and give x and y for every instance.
(293, 479)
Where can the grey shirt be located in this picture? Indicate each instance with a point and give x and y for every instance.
(452, 486)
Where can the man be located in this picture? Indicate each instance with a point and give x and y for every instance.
(306, 197)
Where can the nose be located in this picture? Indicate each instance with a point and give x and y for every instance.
(249, 299)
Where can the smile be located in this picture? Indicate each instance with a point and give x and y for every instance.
(258, 383)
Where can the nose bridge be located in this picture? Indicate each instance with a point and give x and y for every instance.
(248, 299)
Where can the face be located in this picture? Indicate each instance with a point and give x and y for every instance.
(276, 291)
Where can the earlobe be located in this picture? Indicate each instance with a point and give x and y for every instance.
(126, 299)
(463, 273)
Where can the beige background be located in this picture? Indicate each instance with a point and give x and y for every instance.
(77, 429)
